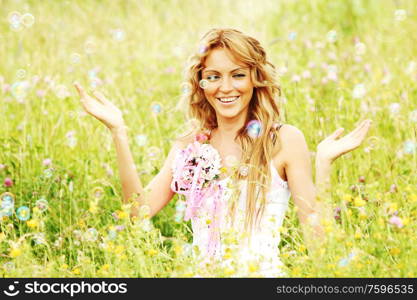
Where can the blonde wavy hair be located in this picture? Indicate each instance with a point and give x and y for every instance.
(258, 152)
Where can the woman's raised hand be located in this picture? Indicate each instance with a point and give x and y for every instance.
(331, 148)
(101, 108)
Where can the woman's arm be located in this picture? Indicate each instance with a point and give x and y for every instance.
(309, 200)
(158, 192)
(300, 181)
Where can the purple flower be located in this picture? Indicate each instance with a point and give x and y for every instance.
(394, 220)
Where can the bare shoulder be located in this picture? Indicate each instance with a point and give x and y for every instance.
(293, 144)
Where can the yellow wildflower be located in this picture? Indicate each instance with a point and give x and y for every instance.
(253, 267)
(152, 252)
(393, 206)
(64, 266)
(76, 271)
(229, 271)
(358, 201)
(15, 252)
(32, 223)
(119, 249)
(413, 198)
(394, 251)
(358, 234)
(347, 198)
(104, 268)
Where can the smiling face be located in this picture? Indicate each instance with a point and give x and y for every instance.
(227, 84)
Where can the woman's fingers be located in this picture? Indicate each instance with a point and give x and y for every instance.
(80, 89)
(99, 96)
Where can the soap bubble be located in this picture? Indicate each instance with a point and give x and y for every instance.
(98, 192)
(91, 235)
(156, 107)
(203, 83)
(409, 147)
(400, 15)
(332, 36)
(42, 204)
(153, 152)
(244, 170)
(186, 88)
(28, 20)
(254, 128)
(141, 140)
(23, 213)
(359, 91)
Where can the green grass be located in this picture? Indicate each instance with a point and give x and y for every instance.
(142, 63)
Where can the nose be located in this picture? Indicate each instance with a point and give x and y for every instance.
(226, 85)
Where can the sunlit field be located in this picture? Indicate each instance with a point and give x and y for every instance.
(339, 62)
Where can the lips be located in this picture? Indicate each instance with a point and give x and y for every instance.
(228, 99)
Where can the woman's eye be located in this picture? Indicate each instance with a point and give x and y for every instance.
(212, 77)
(239, 75)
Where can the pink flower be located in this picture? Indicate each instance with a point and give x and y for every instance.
(202, 138)
(47, 161)
(8, 182)
(394, 220)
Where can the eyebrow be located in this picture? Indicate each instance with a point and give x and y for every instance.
(211, 70)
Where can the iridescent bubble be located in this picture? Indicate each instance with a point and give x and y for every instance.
(98, 192)
(244, 170)
(61, 91)
(118, 35)
(7, 204)
(28, 20)
(89, 46)
(156, 107)
(14, 17)
(112, 234)
(144, 211)
(75, 58)
(16, 27)
(20, 89)
(254, 129)
(359, 91)
(203, 83)
(141, 140)
(394, 108)
(72, 142)
(91, 235)
(400, 15)
(21, 73)
(332, 36)
(186, 88)
(231, 161)
(409, 147)
(39, 238)
(202, 49)
(360, 48)
(413, 116)
(23, 213)
(292, 36)
(153, 152)
(48, 173)
(178, 217)
(180, 206)
(42, 204)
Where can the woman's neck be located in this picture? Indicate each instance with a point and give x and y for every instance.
(226, 131)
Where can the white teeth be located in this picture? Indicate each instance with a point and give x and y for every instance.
(226, 100)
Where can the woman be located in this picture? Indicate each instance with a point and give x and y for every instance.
(233, 97)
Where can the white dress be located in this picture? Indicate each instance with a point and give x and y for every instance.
(262, 250)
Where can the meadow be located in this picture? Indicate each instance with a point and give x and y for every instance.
(338, 62)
